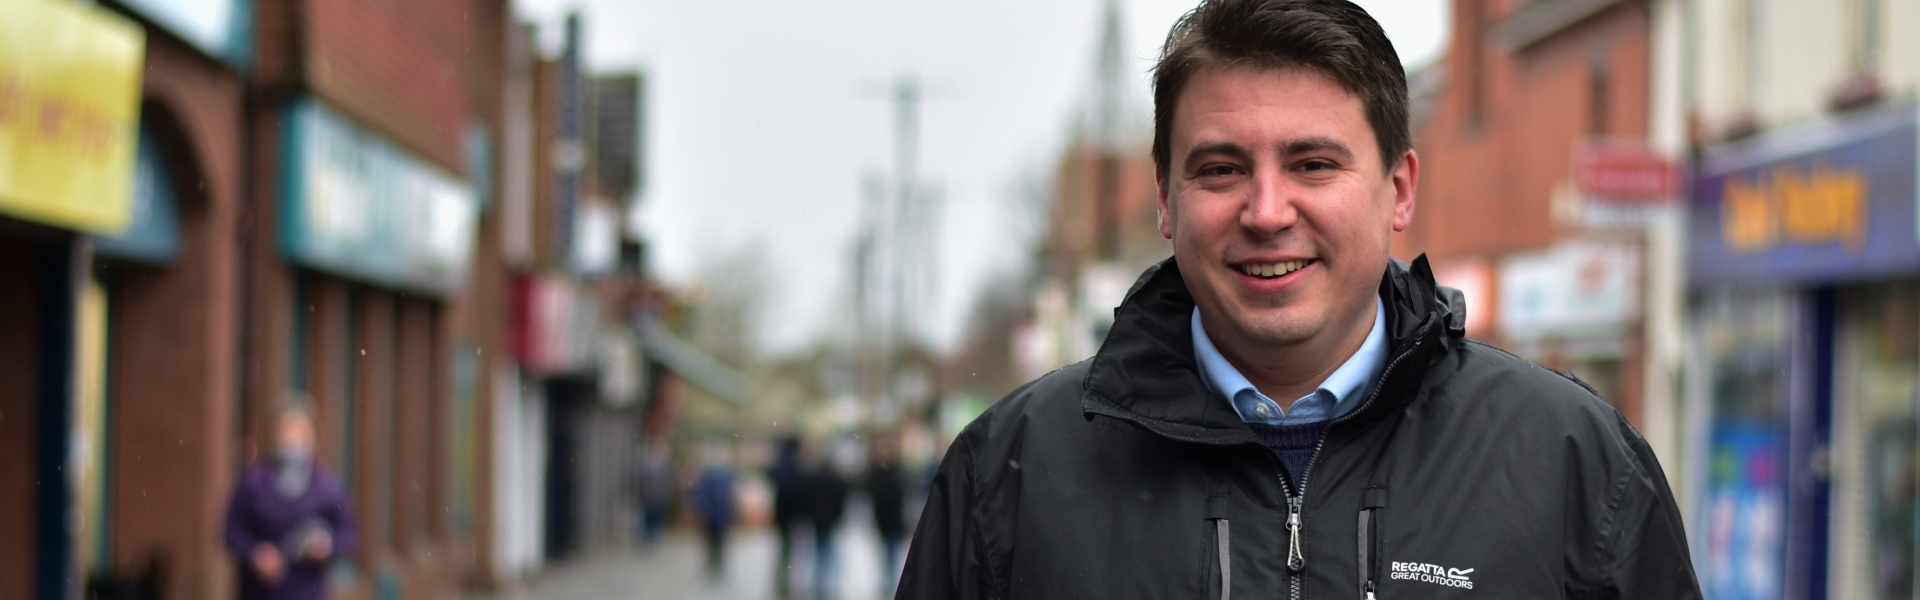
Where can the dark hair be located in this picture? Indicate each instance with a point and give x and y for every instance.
(1333, 37)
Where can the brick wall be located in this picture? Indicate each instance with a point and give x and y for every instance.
(396, 66)
(173, 332)
(19, 357)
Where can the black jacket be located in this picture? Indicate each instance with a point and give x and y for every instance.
(1469, 473)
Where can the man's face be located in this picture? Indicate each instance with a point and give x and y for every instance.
(1280, 211)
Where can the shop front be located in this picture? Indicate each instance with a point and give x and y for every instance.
(1802, 367)
(377, 242)
(1574, 307)
(70, 79)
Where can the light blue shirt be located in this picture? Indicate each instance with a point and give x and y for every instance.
(1338, 395)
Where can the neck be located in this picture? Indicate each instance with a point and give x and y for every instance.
(1288, 372)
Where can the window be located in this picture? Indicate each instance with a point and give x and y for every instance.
(1599, 88)
(1864, 41)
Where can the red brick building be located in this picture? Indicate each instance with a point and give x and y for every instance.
(1522, 87)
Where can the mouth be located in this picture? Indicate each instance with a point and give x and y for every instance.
(1273, 270)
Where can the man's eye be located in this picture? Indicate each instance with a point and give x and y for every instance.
(1216, 170)
(1316, 165)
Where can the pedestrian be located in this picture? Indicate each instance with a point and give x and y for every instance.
(1280, 403)
(713, 499)
(656, 490)
(826, 493)
(886, 488)
(789, 509)
(288, 518)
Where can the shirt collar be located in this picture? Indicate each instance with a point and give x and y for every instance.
(1338, 395)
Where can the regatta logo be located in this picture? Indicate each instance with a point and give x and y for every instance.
(1435, 574)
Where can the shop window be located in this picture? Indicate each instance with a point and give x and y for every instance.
(92, 430)
(1742, 347)
(1877, 367)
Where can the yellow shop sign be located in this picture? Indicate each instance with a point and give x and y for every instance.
(69, 113)
(1802, 207)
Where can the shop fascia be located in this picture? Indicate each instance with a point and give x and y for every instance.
(1827, 203)
(357, 205)
(69, 117)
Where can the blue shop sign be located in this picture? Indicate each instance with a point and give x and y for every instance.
(220, 28)
(153, 223)
(1824, 204)
(359, 206)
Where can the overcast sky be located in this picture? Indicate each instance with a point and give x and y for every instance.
(764, 114)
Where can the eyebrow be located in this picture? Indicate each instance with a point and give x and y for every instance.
(1317, 144)
(1212, 148)
(1306, 145)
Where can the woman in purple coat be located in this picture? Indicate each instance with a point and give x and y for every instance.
(288, 519)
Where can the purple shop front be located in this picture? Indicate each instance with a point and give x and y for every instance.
(1829, 203)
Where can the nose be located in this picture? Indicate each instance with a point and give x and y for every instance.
(1271, 207)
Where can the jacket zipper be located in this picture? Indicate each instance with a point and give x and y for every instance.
(1296, 502)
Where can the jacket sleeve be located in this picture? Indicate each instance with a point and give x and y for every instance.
(943, 561)
(1643, 549)
(235, 531)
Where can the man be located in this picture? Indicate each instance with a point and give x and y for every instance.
(713, 500)
(789, 508)
(886, 488)
(288, 518)
(826, 489)
(1280, 410)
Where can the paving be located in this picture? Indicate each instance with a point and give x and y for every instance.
(675, 569)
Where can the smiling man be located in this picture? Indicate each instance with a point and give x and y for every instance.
(1281, 410)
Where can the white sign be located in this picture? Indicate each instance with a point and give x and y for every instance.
(1574, 289)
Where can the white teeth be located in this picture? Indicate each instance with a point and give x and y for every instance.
(1272, 269)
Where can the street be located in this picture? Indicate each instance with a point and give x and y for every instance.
(676, 570)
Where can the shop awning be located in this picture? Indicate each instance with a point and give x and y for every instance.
(699, 368)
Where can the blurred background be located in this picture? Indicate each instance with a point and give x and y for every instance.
(632, 298)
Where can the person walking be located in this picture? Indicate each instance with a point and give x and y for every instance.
(1282, 409)
(789, 509)
(826, 505)
(655, 491)
(288, 518)
(886, 488)
(713, 499)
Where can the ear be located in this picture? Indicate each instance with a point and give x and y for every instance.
(1163, 214)
(1406, 177)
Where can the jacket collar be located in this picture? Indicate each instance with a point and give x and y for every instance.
(1145, 371)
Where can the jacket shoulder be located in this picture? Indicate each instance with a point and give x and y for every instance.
(1043, 401)
(1503, 381)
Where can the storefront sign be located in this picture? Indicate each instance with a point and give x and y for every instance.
(357, 205)
(1624, 172)
(69, 108)
(1830, 203)
(221, 28)
(153, 229)
(556, 325)
(1574, 289)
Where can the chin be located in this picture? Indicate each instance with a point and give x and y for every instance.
(1278, 327)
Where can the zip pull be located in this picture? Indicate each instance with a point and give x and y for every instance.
(1370, 591)
(1296, 561)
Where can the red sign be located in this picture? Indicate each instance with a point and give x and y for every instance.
(1625, 173)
